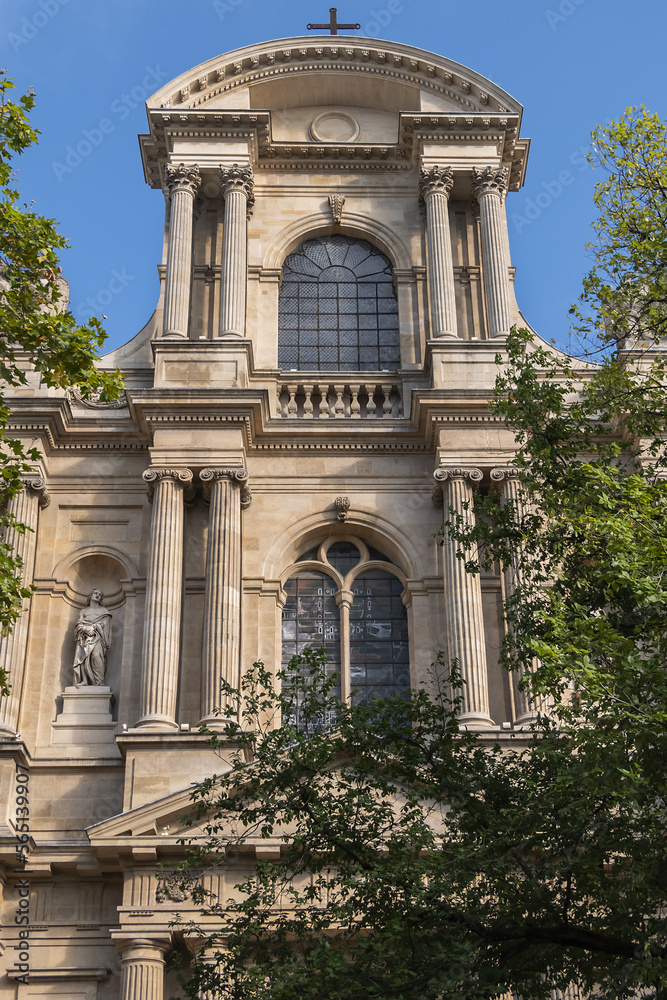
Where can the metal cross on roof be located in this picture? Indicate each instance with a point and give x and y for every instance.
(333, 25)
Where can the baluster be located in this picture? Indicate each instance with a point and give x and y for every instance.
(283, 398)
(308, 401)
(355, 405)
(339, 405)
(291, 405)
(386, 402)
(370, 406)
(324, 402)
(397, 409)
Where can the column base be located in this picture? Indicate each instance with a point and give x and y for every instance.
(474, 721)
(217, 722)
(156, 722)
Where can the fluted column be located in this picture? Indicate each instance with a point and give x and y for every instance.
(237, 190)
(227, 491)
(490, 184)
(463, 600)
(526, 706)
(25, 508)
(164, 587)
(142, 970)
(182, 185)
(435, 185)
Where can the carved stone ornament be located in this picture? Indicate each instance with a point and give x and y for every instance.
(154, 476)
(93, 401)
(336, 202)
(182, 178)
(469, 474)
(37, 485)
(236, 178)
(435, 180)
(175, 888)
(240, 476)
(500, 475)
(490, 180)
(342, 506)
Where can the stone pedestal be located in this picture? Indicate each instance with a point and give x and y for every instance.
(85, 720)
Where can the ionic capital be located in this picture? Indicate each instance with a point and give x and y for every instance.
(236, 178)
(489, 180)
(505, 474)
(435, 180)
(37, 486)
(469, 475)
(182, 178)
(152, 476)
(235, 475)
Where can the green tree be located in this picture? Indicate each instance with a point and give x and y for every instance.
(420, 861)
(37, 330)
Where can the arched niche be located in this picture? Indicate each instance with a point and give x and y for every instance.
(85, 572)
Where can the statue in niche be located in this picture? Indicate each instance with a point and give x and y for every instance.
(93, 638)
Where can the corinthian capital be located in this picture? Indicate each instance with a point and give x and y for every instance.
(235, 475)
(182, 178)
(183, 477)
(489, 180)
(236, 178)
(435, 180)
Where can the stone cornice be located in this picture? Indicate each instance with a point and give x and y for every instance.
(254, 127)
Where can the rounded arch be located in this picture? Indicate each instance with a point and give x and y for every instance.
(370, 526)
(357, 226)
(100, 566)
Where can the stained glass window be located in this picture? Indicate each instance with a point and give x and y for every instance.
(376, 646)
(337, 309)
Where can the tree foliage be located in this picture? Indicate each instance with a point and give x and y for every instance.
(421, 861)
(37, 330)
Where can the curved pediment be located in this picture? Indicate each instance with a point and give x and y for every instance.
(321, 71)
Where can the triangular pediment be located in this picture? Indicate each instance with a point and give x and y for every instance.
(161, 817)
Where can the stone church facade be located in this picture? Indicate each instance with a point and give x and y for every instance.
(309, 395)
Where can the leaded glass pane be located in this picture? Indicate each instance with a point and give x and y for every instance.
(353, 287)
(310, 618)
(379, 665)
(343, 556)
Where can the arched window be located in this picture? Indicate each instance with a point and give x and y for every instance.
(337, 308)
(366, 640)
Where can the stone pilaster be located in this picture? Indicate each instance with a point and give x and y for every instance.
(490, 185)
(164, 587)
(227, 491)
(463, 600)
(435, 185)
(25, 508)
(182, 184)
(142, 970)
(237, 190)
(526, 706)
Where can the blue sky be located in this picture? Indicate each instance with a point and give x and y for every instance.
(571, 63)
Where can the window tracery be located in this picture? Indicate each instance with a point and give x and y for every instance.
(347, 597)
(337, 308)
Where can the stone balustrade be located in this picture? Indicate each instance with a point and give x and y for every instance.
(325, 400)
